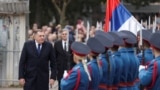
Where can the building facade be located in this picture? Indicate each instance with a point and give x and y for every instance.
(13, 25)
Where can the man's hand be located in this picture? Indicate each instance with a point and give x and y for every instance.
(22, 81)
(51, 82)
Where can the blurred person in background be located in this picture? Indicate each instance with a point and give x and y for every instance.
(35, 27)
(30, 35)
(44, 28)
(58, 31)
(47, 32)
(52, 38)
(63, 55)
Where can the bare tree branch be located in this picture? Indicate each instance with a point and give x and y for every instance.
(57, 7)
(64, 5)
(68, 2)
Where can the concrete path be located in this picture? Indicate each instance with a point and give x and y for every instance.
(55, 87)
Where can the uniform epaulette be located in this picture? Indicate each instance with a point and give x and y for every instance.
(88, 63)
(113, 55)
(77, 67)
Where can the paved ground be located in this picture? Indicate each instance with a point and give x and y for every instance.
(17, 89)
(55, 87)
(11, 89)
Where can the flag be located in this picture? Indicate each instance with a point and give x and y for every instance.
(119, 18)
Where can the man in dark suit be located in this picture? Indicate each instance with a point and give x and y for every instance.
(63, 55)
(34, 63)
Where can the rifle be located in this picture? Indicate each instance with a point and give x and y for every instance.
(109, 65)
(143, 63)
(143, 55)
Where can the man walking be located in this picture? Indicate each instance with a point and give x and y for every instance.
(34, 64)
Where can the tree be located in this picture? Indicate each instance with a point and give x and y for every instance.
(61, 6)
(71, 10)
(42, 12)
(64, 11)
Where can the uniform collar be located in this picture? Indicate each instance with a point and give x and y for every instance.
(148, 50)
(126, 49)
(116, 53)
(157, 58)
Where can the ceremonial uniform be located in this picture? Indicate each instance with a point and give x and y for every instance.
(94, 66)
(146, 54)
(115, 56)
(107, 67)
(110, 72)
(133, 69)
(150, 77)
(118, 70)
(95, 74)
(103, 81)
(130, 61)
(125, 67)
(78, 78)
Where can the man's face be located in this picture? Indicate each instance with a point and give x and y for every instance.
(64, 35)
(39, 37)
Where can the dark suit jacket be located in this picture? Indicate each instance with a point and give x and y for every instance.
(64, 59)
(34, 67)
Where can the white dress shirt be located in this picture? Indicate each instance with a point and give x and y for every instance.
(37, 45)
(63, 43)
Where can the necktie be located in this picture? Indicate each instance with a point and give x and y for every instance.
(65, 47)
(39, 48)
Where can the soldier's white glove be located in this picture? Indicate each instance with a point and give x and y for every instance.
(141, 67)
(65, 74)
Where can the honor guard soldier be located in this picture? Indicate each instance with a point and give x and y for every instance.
(78, 78)
(150, 77)
(115, 56)
(108, 66)
(146, 55)
(94, 66)
(130, 61)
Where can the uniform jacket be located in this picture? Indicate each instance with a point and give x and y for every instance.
(148, 56)
(130, 68)
(96, 74)
(150, 77)
(118, 70)
(77, 79)
(104, 63)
